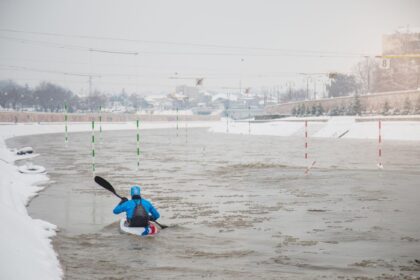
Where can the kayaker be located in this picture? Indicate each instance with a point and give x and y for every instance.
(139, 211)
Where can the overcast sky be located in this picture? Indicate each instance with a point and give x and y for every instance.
(260, 43)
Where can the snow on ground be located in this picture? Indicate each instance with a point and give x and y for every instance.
(390, 130)
(168, 112)
(336, 127)
(324, 127)
(350, 128)
(274, 128)
(26, 251)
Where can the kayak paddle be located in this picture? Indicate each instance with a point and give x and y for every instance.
(106, 185)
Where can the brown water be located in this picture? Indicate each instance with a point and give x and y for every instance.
(238, 206)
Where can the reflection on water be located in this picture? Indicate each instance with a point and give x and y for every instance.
(239, 206)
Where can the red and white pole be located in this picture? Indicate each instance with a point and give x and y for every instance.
(306, 142)
(380, 145)
(306, 150)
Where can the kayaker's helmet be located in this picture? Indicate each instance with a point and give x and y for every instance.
(135, 191)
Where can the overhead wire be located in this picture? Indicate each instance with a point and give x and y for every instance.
(286, 52)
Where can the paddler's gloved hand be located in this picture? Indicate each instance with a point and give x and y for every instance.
(151, 218)
(124, 199)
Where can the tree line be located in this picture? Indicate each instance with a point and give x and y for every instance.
(50, 97)
(354, 108)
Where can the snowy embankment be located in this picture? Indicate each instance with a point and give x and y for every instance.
(26, 251)
(325, 127)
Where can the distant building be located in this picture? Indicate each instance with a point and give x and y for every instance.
(403, 70)
(401, 43)
(191, 92)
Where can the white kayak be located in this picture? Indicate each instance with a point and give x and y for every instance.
(153, 228)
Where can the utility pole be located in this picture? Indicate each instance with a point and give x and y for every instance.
(290, 90)
(368, 74)
(307, 88)
(90, 84)
(240, 77)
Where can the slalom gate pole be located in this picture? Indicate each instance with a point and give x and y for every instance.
(306, 142)
(66, 139)
(308, 167)
(177, 118)
(227, 113)
(93, 148)
(227, 122)
(186, 130)
(138, 144)
(100, 124)
(249, 120)
(380, 144)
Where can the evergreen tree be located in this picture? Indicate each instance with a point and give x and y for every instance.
(294, 111)
(342, 110)
(417, 107)
(302, 110)
(334, 111)
(307, 111)
(407, 106)
(357, 106)
(313, 110)
(319, 110)
(298, 110)
(385, 109)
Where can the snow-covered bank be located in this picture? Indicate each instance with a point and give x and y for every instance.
(26, 251)
(325, 127)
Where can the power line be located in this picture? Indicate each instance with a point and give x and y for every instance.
(158, 75)
(66, 46)
(307, 52)
(22, 68)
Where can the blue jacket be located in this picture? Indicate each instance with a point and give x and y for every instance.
(130, 205)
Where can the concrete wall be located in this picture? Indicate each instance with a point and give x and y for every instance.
(372, 103)
(106, 117)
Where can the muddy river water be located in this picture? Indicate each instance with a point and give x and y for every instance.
(238, 206)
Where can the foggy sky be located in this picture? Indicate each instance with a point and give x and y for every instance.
(261, 43)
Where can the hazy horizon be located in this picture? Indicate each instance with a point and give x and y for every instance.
(261, 43)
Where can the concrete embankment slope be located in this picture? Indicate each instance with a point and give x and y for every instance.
(392, 127)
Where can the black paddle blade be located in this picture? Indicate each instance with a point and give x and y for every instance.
(161, 226)
(104, 183)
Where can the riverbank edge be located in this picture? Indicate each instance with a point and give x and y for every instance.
(27, 250)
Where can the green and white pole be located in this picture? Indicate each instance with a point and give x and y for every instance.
(249, 120)
(93, 148)
(100, 124)
(177, 118)
(186, 130)
(66, 139)
(138, 145)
